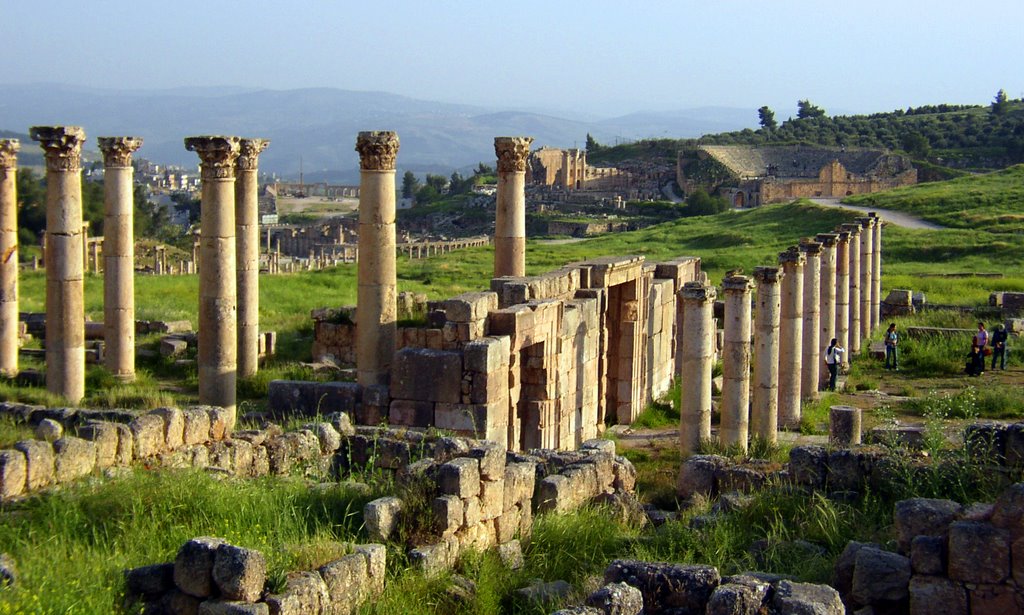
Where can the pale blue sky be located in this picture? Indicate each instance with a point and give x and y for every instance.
(598, 57)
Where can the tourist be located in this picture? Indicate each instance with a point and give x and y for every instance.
(981, 337)
(833, 358)
(999, 336)
(975, 361)
(891, 341)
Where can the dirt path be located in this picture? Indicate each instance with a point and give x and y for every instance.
(895, 217)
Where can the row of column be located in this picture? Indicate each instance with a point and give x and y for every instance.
(814, 295)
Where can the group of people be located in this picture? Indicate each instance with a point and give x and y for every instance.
(983, 345)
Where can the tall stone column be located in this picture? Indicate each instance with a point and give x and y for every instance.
(65, 310)
(867, 260)
(764, 416)
(698, 350)
(791, 337)
(247, 241)
(854, 271)
(119, 255)
(876, 273)
(510, 215)
(9, 260)
(842, 321)
(376, 310)
(812, 319)
(218, 308)
(827, 316)
(736, 361)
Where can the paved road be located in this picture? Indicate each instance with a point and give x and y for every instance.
(895, 217)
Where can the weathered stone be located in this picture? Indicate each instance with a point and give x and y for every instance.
(105, 438)
(928, 555)
(39, 464)
(697, 475)
(149, 581)
(1008, 512)
(220, 422)
(49, 430)
(511, 554)
(978, 552)
(72, 458)
(305, 593)
(492, 460)
(431, 559)
(617, 599)
(423, 374)
(239, 573)
(599, 445)
(625, 474)
(994, 599)
(739, 595)
(806, 599)
(667, 586)
(845, 470)
(544, 593)
(880, 576)
(345, 579)
(172, 346)
(448, 514)
(520, 479)
(380, 517)
(923, 517)
(195, 426)
(193, 566)
(174, 426)
(807, 465)
(556, 494)
(578, 610)
(229, 607)
(930, 595)
(147, 435)
(327, 435)
(125, 445)
(376, 566)
(460, 477)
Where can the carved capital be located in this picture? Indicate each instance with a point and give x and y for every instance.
(866, 223)
(791, 256)
(217, 153)
(377, 150)
(852, 229)
(737, 284)
(827, 239)
(249, 153)
(512, 152)
(9, 153)
(62, 146)
(768, 275)
(699, 292)
(117, 151)
(810, 247)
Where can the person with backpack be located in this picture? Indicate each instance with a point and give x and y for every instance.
(833, 358)
(891, 355)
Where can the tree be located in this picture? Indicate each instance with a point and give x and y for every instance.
(700, 203)
(592, 145)
(437, 182)
(767, 118)
(1001, 104)
(805, 110)
(915, 144)
(409, 185)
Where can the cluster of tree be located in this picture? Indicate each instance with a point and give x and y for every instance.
(435, 187)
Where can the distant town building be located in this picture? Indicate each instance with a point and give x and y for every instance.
(319, 189)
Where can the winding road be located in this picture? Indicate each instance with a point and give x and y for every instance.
(895, 217)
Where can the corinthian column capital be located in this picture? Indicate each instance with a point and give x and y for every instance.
(9, 153)
(62, 146)
(377, 150)
(512, 152)
(249, 153)
(117, 151)
(217, 154)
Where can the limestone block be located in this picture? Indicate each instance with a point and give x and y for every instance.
(1015, 445)
(506, 525)
(337, 397)
(49, 430)
(923, 517)
(431, 559)
(930, 595)
(376, 566)
(807, 465)
(520, 479)
(231, 607)
(39, 463)
(555, 494)
(380, 517)
(173, 346)
(793, 597)
(449, 512)
(1008, 512)
(670, 586)
(994, 599)
(193, 566)
(342, 423)
(125, 445)
(345, 579)
(470, 306)
(73, 458)
(174, 426)
(105, 438)
(427, 375)
(844, 425)
(697, 475)
(625, 475)
(599, 445)
(13, 474)
(411, 412)
(978, 552)
(510, 553)
(618, 599)
(474, 420)
(490, 387)
(487, 354)
(928, 555)
(472, 513)
(149, 581)
(305, 593)
(540, 593)
(880, 576)
(219, 422)
(846, 470)
(195, 426)
(147, 435)
(492, 498)
(292, 397)
(739, 595)
(327, 435)
(239, 573)
(491, 458)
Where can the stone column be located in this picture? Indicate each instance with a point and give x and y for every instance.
(218, 308)
(9, 261)
(85, 247)
(510, 220)
(827, 315)
(94, 249)
(854, 271)
(247, 241)
(867, 259)
(65, 311)
(376, 312)
(812, 319)
(764, 416)
(842, 326)
(876, 273)
(119, 255)
(791, 337)
(698, 350)
(736, 361)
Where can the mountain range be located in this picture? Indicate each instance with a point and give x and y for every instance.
(315, 128)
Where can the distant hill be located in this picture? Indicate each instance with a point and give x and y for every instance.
(319, 125)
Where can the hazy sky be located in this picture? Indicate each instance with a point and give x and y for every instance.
(598, 57)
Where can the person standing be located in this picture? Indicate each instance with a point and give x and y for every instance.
(981, 337)
(892, 340)
(833, 358)
(999, 336)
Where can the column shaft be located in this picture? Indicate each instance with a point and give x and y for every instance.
(876, 273)
(812, 320)
(827, 317)
(119, 255)
(854, 271)
(867, 259)
(247, 242)
(376, 312)
(9, 259)
(843, 290)
(764, 416)
(510, 214)
(736, 362)
(698, 350)
(791, 337)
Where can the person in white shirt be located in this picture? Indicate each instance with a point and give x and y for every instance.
(833, 358)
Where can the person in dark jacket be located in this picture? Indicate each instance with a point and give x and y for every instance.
(975, 361)
(998, 342)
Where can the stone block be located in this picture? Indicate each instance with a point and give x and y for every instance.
(449, 512)
(470, 306)
(427, 375)
(472, 513)
(149, 581)
(923, 517)
(292, 398)
(540, 593)
(617, 599)
(978, 552)
(487, 354)
(337, 397)
(1015, 445)
(668, 586)
(105, 438)
(125, 445)
(431, 559)
(411, 413)
(492, 460)
(928, 555)
(1008, 512)
(986, 442)
(326, 435)
(173, 346)
(994, 599)
(880, 576)
(625, 474)
(599, 445)
(380, 517)
(460, 477)
(193, 566)
(555, 494)
(739, 595)
(520, 479)
(231, 607)
(807, 465)
(376, 566)
(147, 435)
(930, 595)
(174, 426)
(39, 463)
(13, 474)
(49, 430)
(506, 525)
(196, 426)
(806, 598)
(219, 427)
(697, 475)
(345, 579)
(73, 458)
(492, 498)
(304, 593)
(239, 573)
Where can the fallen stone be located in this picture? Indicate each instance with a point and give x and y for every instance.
(228, 607)
(666, 586)
(239, 573)
(923, 517)
(739, 595)
(511, 554)
(149, 581)
(193, 566)
(49, 430)
(544, 593)
(806, 599)
(617, 599)
(380, 517)
(880, 576)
